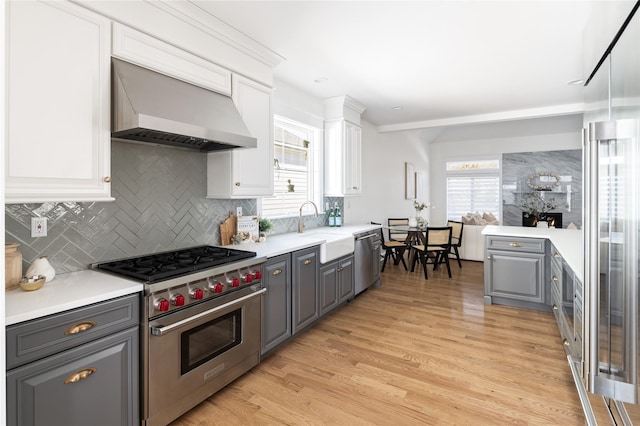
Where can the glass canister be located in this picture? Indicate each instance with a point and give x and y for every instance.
(12, 265)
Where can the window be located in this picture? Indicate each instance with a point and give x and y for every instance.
(296, 149)
(473, 186)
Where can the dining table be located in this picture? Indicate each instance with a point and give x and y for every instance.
(415, 236)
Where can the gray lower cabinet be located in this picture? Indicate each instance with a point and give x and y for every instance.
(84, 371)
(305, 292)
(276, 308)
(336, 283)
(515, 271)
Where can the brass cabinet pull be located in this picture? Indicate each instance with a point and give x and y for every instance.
(515, 244)
(307, 261)
(237, 183)
(555, 307)
(80, 375)
(554, 278)
(107, 179)
(565, 342)
(489, 257)
(277, 272)
(556, 254)
(79, 328)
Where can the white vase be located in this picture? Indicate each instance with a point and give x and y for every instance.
(413, 222)
(41, 266)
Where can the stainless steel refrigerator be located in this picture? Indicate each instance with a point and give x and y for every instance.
(610, 364)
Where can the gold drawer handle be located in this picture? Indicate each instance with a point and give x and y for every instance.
(79, 328)
(80, 375)
(555, 307)
(237, 183)
(307, 261)
(515, 244)
(277, 272)
(565, 342)
(556, 254)
(554, 278)
(107, 179)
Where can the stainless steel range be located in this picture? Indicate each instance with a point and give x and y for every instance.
(201, 327)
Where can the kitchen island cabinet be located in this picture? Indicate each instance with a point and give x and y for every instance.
(305, 292)
(248, 172)
(515, 270)
(276, 310)
(58, 92)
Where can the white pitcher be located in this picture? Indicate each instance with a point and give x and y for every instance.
(41, 266)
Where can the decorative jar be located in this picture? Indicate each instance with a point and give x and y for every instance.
(12, 265)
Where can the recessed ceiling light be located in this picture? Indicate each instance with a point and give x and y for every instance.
(398, 107)
(575, 82)
(321, 80)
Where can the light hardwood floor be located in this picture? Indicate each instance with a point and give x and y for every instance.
(410, 352)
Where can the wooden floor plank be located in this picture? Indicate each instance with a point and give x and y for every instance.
(410, 352)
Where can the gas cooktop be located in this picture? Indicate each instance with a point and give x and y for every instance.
(171, 264)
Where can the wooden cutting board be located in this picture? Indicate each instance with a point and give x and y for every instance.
(228, 229)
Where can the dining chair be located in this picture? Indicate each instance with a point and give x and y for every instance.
(392, 249)
(456, 238)
(436, 250)
(395, 235)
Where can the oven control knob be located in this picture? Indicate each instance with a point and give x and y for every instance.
(161, 305)
(177, 300)
(257, 275)
(247, 278)
(216, 287)
(235, 282)
(197, 293)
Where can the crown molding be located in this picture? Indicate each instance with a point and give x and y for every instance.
(197, 17)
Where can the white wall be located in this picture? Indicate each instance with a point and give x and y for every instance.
(543, 134)
(383, 178)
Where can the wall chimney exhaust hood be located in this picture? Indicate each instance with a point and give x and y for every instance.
(151, 107)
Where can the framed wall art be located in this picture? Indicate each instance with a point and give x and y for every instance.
(409, 181)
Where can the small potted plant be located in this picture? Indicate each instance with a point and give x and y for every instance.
(264, 226)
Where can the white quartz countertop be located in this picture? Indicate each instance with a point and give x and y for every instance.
(276, 245)
(66, 291)
(568, 242)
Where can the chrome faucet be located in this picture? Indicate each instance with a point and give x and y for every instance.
(300, 226)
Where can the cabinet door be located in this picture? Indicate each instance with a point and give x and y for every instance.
(329, 282)
(140, 49)
(518, 276)
(353, 159)
(93, 384)
(305, 288)
(58, 103)
(346, 272)
(248, 172)
(343, 158)
(276, 310)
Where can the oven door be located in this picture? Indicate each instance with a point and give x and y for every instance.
(195, 352)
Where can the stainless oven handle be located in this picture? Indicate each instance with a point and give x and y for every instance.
(161, 331)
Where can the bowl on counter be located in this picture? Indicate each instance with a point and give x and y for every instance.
(32, 283)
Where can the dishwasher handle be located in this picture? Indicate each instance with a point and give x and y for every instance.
(366, 237)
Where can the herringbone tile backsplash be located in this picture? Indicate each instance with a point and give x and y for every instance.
(159, 205)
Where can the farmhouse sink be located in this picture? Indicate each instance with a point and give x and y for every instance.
(334, 243)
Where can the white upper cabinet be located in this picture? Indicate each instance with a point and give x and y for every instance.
(140, 49)
(245, 172)
(57, 140)
(343, 158)
(343, 146)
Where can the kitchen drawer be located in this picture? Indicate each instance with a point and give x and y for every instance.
(531, 245)
(33, 340)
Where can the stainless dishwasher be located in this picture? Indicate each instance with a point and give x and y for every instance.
(367, 260)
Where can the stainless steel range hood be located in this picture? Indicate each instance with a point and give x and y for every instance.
(151, 107)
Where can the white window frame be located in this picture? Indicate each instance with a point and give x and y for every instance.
(475, 173)
(316, 150)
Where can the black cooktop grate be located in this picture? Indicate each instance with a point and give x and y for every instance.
(162, 266)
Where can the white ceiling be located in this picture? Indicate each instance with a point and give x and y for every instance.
(443, 62)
